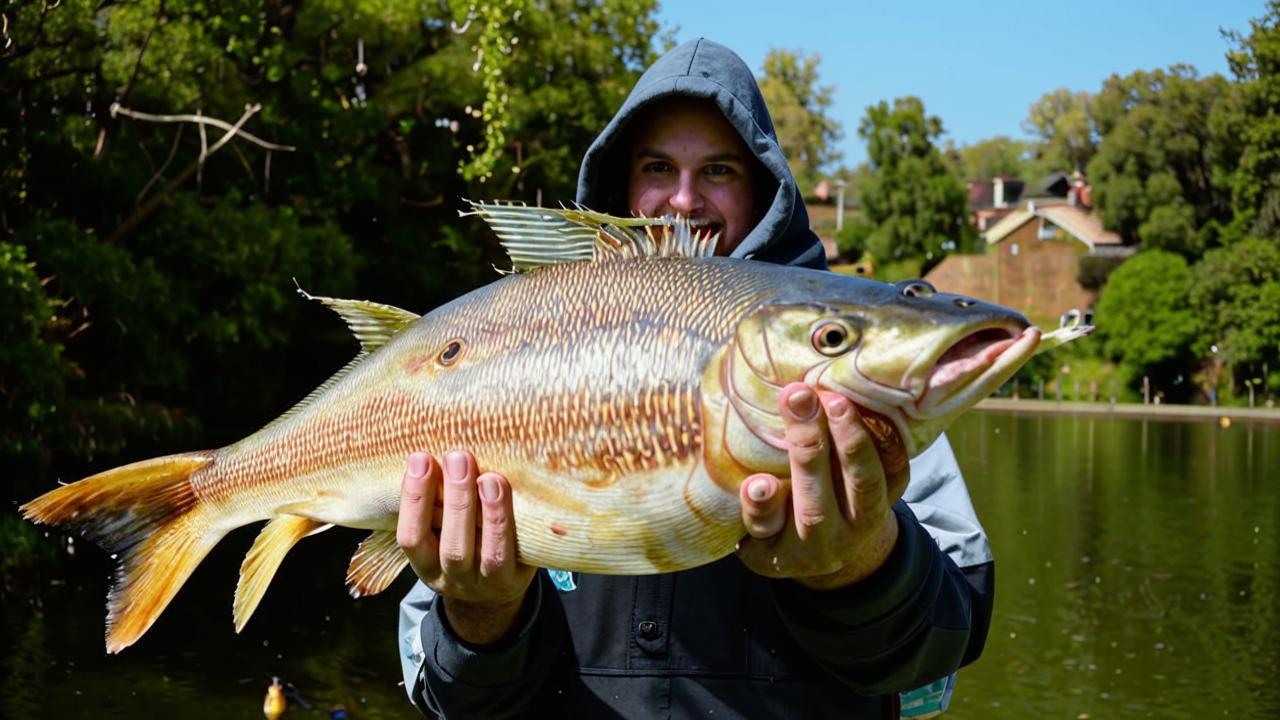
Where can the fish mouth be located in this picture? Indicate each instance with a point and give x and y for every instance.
(976, 364)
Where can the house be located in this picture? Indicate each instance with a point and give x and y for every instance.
(991, 200)
(1038, 259)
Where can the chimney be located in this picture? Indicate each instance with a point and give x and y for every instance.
(997, 191)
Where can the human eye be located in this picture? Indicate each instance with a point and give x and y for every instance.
(656, 166)
(720, 170)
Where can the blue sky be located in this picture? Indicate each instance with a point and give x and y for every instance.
(977, 65)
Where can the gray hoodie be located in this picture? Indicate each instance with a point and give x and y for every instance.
(704, 69)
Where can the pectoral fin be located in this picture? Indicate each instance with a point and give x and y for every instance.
(376, 564)
(263, 559)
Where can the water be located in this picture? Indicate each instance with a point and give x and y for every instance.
(1137, 567)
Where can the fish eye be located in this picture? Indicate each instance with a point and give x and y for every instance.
(832, 338)
(451, 352)
(918, 288)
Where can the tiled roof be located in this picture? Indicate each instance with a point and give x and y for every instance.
(1079, 224)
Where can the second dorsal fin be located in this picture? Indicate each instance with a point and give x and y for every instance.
(534, 237)
(372, 323)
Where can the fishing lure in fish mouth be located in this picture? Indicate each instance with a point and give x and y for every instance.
(623, 379)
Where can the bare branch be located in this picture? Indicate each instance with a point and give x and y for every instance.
(244, 161)
(116, 108)
(151, 205)
(173, 150)
(249, 111)
(204, 153)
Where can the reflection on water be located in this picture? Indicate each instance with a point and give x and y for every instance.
(338, 653)
(1137, 568)
(1137, 577)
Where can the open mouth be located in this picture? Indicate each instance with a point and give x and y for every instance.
(967, 361)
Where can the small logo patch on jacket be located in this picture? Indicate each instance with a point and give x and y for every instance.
(563, 580)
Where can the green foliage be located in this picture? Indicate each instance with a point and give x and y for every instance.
(1060, 120)
(907, 269)
(150, 296)
(999, 156)
(852, 238)
(1236, 293)
(799, 108)
(1154, 172)
(31, 366)
(1144, 320)
(916, 206)
(1094, 269)
(1255, 184)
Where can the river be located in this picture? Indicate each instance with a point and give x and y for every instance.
(1137, 566)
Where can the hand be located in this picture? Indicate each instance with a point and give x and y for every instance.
(839, 526)
(473, 563)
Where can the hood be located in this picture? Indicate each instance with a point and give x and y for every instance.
(707, 70)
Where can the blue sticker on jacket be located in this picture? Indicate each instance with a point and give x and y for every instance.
(928, 701)
(563, 580)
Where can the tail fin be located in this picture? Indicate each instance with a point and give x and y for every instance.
(147, 515)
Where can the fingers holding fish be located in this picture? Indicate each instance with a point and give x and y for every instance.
(472, 563)
(862, 483)
(843, 526)
(458, 529)
(497, 529)
(764, 505)
(813, 499)
(417, 502)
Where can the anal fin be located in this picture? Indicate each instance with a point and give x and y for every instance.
(377, 562)
(264, 558)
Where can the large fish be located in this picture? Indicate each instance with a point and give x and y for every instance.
(625, 386)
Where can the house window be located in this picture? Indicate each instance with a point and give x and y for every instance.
(1013, 249)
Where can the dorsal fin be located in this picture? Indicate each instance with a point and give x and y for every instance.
(535, 237)
(372, 323)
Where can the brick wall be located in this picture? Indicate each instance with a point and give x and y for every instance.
(1036, 277)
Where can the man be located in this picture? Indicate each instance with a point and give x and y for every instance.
(838, 598)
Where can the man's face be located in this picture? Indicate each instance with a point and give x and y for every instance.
(686, 159)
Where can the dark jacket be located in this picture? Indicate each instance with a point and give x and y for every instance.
(720, 641)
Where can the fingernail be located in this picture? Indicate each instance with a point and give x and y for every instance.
(456, 464)
(489, 487)
(418, 464)
(836, 406)
(803, 404)
(758, 489)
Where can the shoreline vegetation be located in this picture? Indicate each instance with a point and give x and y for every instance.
(1223, 415)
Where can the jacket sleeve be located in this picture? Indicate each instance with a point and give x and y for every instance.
(916, 619)
(449, 678)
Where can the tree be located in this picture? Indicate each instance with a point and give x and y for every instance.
(149, 290)
(1060, 119)
(1236, 292)
(998, 156)
(914, 205)
(1255, 184)
(1153, 176)
(799, 110)
(1144, 320)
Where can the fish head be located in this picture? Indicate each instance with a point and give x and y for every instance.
(909, 357)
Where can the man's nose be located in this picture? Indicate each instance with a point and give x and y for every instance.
(686, 199)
